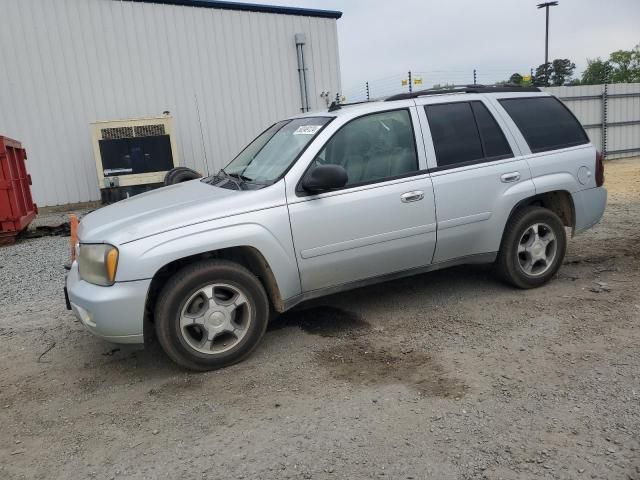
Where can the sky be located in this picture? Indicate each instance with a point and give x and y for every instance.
(380, 40)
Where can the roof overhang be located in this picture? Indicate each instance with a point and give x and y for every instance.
(248, 7)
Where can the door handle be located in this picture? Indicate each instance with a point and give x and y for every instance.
(412, 196)
(510, 177)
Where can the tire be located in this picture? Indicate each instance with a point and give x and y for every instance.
(179, 175)
(520, 260)
(168, 176)
(186, 298)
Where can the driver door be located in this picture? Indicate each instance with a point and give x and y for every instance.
(383, 220)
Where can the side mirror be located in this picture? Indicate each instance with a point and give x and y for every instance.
(325, 177)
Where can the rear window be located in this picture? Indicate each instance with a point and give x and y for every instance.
(545, 123)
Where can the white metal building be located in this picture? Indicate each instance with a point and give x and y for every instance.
(609, 113)
(224, 70)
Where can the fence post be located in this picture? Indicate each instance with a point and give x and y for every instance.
(368, 98)
(604, 120)
(410, 89)
(474, 76)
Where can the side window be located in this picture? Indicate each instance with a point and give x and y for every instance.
(493, 141)
(454, 132)
(373, 147)
(545, 123)
(465, 132)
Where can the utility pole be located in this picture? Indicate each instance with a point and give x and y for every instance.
(546, 6)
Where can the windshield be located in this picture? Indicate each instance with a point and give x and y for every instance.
(275, 149)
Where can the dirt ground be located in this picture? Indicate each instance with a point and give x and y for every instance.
(447, 375)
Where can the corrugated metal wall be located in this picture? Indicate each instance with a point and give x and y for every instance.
(616, 112)
(66, 63)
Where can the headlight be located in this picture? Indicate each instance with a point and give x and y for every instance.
(97, 263)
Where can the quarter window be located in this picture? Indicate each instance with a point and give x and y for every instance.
(545, 123)
(373, 148)
(464, 133)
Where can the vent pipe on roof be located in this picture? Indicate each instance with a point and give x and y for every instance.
(301, 39)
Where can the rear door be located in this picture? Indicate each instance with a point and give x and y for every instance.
(477, 170)
(382, 221)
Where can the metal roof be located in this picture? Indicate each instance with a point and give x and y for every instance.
(248, 7)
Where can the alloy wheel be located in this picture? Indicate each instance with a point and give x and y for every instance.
(215, 318)
(537, 249)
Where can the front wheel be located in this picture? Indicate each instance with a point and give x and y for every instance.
(211, 314)
(533, 247)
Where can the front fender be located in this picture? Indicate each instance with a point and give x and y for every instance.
(267, 231)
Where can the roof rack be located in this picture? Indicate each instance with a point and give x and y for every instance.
(507, 87)
(337, 106)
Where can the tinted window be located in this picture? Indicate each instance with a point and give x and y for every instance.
(493, 141)
(545, 123)
(373, 147)
(454, 132)
(465, 132)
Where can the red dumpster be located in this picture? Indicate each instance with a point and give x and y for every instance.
(16, 204)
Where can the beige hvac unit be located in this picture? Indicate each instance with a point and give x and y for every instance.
(133, 156)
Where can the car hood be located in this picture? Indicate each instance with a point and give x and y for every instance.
(169, 208)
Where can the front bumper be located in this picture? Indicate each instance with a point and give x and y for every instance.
(114, 313)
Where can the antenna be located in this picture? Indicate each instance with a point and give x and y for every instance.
(204, 150)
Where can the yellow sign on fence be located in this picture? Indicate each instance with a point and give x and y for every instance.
(414, 80)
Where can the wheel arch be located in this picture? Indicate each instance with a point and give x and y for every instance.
(559, 202)
(245, 255)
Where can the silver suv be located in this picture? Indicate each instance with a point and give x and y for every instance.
(330, 201)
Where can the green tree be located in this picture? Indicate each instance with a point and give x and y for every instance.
(516, 79)
(561, 71)
(556, 73)
(597, 72)
(543, 75)
(623, 66)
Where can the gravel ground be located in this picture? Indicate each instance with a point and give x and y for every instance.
(448, 375)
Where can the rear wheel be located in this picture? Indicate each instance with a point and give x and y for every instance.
(533, 247)
(211, 314)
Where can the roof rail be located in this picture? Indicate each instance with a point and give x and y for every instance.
(507, 87)
(337, 106)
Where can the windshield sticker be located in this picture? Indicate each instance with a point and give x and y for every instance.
(307, 130)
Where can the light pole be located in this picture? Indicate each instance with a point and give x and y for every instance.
(546, 6)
